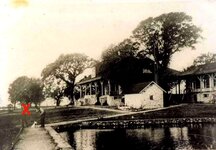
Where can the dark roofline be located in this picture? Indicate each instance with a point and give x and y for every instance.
(201, 70)
(174, 72)
(141, 87)
(89, 80)
(152, 82)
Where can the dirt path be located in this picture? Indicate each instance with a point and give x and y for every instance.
(34, 139)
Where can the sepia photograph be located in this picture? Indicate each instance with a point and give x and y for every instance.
(108, 74)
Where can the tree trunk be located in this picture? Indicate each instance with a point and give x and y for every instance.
(156, 72)
(36, 105)
(14, 105)
(58, 101)
(70, 93)
(71, 98)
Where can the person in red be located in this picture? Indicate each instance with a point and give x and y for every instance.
(42, 116)
(25, 114)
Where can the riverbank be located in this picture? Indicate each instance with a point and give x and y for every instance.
(64, 116)
(10, 123)
(182, 115)
(182, 111)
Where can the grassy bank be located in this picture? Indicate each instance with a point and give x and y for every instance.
(10, 123)
(184, 111)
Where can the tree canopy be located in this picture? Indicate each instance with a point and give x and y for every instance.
(65, 69)
(202, 59)
(26, 90)
(121, 64)
(151, 47)
(54, 88)
(205, 59)
(160, 37)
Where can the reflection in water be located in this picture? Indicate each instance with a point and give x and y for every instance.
(195, 136)
(180, 136)
(85, 139)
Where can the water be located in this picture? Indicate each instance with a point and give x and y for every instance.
(187, 137)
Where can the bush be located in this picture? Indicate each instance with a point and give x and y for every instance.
(10, 108)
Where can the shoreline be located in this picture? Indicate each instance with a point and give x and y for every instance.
(114, 124)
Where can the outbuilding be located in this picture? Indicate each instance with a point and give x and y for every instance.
(146, 95)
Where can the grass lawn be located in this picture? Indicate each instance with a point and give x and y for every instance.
(10, 123)
(53, 116)
(190, 111)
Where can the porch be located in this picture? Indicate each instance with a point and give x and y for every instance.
(99, 91)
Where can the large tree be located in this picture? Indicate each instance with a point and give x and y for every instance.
(160, 37)
(26, 90)
(66, 68)
(121, 64)
(54, 88)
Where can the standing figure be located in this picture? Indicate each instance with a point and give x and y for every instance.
(42, 116)
(24, 121)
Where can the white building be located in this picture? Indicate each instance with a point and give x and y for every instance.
(201, 83)
(96, 90)
(146, 95)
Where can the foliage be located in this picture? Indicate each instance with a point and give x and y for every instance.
(205, 59)
(54, 88)
(123, 49)
(201, 60)
(10, 107)
(160, 37)
(121, 64)
(65, 69)
(26, 90)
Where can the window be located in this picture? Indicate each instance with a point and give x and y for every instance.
(205, 95)
(151, 97)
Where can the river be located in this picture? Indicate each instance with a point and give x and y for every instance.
(194, 136)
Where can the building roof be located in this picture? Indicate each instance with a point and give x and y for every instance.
(88, 79)
(140, 87)
(173, 72)
(201, 69)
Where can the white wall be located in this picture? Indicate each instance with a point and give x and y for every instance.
(176, 88)
(110, 100)
(202, 98)
(142, 100)
(90, 99)
(52, 102)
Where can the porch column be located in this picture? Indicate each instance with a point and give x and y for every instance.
(85, 89)
(90, 85)
(211, 82)
(119, 90)
(101, 82)
(201, 83)
(96, 87)
(109, 85)
(80, 91)
(176, 88)
(179, 87)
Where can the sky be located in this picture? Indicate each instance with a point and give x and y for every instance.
(33, 33)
